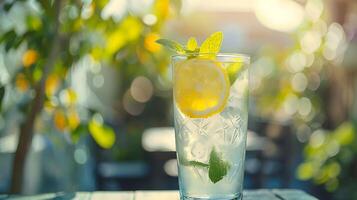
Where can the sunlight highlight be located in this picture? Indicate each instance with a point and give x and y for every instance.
(279, 15)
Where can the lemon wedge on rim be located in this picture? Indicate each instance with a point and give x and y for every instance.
(201, 87)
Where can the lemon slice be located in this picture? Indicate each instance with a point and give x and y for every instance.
(201, 87)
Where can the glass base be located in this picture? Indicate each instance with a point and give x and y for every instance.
(228, 197)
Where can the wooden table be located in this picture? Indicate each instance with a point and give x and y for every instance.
(263, 194)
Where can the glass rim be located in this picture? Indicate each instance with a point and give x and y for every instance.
(244, 57)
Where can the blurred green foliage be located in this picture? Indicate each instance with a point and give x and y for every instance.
(123, 39)
(329, 157)
(296, 84)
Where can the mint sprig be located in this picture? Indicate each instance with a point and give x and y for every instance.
(217, 167)
(211, 45)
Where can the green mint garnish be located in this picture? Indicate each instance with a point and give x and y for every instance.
(183, 161)
(191, 44)
(217, 168)
(211, 45)
(197, 164)
(233, 69)
(172, 45)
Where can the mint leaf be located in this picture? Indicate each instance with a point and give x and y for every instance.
(2, 93)
(191, 44)
(233, 69)
(172, 45)
(197, 164)
(217, 167)
(193, 163)
(212, 44)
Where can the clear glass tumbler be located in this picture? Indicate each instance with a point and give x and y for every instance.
(211, 114)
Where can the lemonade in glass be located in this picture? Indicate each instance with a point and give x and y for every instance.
(210, 91)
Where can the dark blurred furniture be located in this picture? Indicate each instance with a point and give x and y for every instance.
(269, 160)
(273, 162)
(122, 175)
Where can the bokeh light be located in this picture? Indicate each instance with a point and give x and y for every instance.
(141, 89)
(314, 9)
(297, 62)
(270, 12)
(132, 106)
(310, 41)
(299, 82)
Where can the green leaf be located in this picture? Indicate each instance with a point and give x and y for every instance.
(78, 132)
(183, 161)
(212, 44)
(33, 22)
(2, 94)
(172, 45)
(197, 164)
(103, 135)
(217, 167)
(9, 41)
(8, 6)
(344, 134)
(233, 69)
(7, 36)
(191, 44)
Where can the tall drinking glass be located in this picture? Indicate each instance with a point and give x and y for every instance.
(211, 114)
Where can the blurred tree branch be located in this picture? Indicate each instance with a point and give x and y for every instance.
(27, 128)
(2, 94)
(341, 83)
